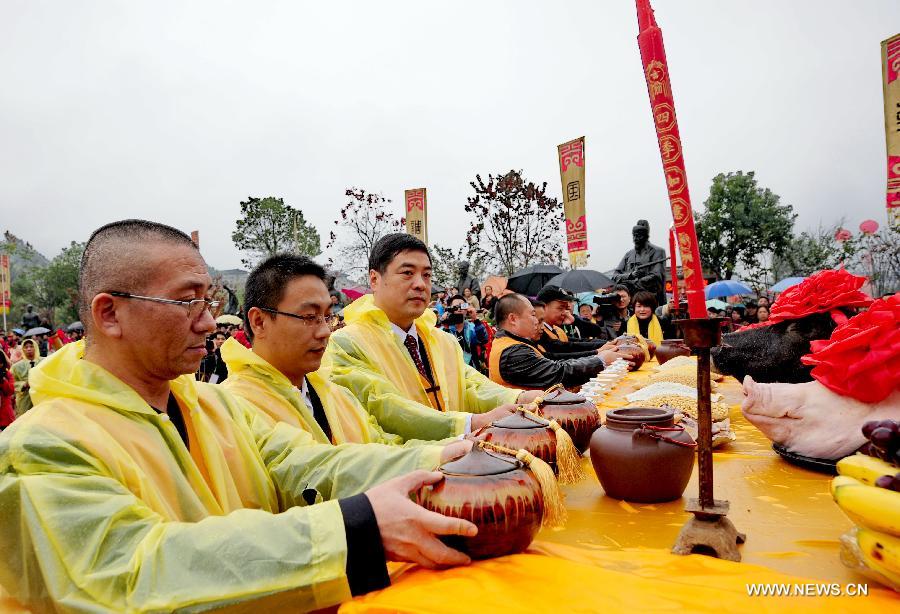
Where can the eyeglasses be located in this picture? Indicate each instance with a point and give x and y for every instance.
(308, 320)
(195, 306)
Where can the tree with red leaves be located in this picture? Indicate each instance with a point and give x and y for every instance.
(515, 224)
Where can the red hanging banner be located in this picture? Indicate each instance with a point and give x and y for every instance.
(673, 266)
(662, 104)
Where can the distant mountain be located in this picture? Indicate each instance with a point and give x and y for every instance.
(22, 255)
(233, 278)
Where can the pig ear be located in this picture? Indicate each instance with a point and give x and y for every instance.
(750, 390)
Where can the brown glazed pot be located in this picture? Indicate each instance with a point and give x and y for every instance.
(634, 352)
(518, 431)
(670, 348)
(578, 416)
(495, 492)
(633, 464)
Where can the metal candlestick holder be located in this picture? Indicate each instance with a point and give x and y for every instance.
(709, 531)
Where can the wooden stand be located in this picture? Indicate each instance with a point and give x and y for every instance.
(709, 531)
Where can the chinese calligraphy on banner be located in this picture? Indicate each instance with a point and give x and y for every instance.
(662, 104)
(890, 63)
(417, 213)
(571, 172)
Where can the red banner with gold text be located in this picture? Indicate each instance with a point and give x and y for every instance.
(662, 104)
(571, 172)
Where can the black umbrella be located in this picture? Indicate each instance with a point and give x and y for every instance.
(435, 288)
(531, 279)
(38, 330)
(581, 280)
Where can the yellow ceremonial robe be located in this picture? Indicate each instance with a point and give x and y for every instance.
(368, 358)
(105, 508)
(261, 384)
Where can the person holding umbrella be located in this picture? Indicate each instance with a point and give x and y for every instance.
(75, 330)
(31, 356)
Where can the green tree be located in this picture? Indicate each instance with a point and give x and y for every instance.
(267, 226)
(515, 224)
(812, 251)
(52, 289)
(743, 225)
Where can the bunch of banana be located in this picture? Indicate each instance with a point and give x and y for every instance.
(875, 511)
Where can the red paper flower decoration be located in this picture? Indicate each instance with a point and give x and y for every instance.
(818, 293)
(862, 358)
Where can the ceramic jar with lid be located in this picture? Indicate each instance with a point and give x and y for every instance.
(497, 493)
(519, 431)
(578, 416)
(670, 348)
(641, 456)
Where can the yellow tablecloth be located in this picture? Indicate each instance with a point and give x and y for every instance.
(791, 522)
(614, 556)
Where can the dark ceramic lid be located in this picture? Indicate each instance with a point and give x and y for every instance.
(640, 415)
(519, 420)
(481, 462)
(563, 397)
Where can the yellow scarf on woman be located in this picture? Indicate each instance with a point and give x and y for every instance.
(654, 330)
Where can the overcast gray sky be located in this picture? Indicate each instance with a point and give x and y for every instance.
(175, 111)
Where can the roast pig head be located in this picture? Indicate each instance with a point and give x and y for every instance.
(772, 353)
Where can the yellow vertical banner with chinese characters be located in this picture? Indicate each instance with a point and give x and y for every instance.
(417, 213)
(890, 63)
(571, 172)
(5, 303)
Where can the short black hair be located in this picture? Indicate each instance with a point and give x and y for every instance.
(509, 304)
(550, 293)
(101, 268)
(219, 332)
(647, 299)
(618, 287)
(456, 296)
(266, 283)
(387, 247)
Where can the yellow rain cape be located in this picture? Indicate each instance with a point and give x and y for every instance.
(20, 370)
(368, 358)
(261, 384)
(103, 507)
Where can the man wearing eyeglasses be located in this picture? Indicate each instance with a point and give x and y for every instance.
(130, 486)
(288, 319)
(406, 372)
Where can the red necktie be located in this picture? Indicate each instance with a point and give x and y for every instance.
(412, 347)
